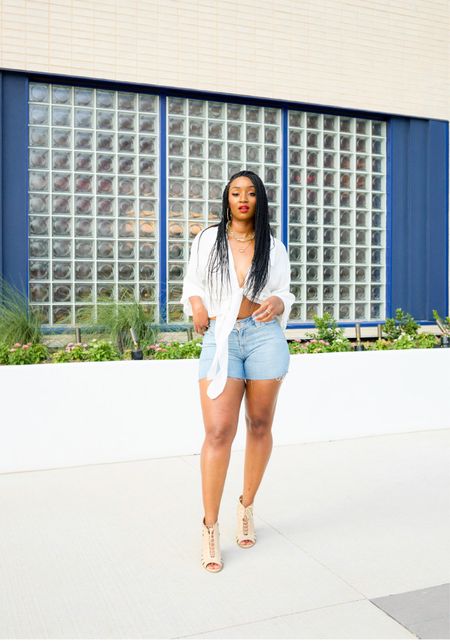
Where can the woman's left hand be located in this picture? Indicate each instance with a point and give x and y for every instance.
(271, 307)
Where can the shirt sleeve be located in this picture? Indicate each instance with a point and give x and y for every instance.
(282, 283)
(193, 282)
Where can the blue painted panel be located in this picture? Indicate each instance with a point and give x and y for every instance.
(437, 236)
(1, 174)
(419, 216)
(388, 307)
(14, 179)
(284, 176)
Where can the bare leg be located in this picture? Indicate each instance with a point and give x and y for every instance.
(260, 402)
(220, 416)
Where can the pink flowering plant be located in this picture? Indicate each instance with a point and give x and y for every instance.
(404, 341)
(402, 332)
(95, 350)
(313, 346)
(172, 350)
(327, 337)
(23, 354)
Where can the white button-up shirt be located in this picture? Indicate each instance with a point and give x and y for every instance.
(226, 308)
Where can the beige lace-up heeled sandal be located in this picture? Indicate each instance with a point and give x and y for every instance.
(245, 526)
(211, 547)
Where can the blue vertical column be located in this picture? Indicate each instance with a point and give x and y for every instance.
(389, 138)
(284, 176)
(419, 201)
(14, 179)
(162, 210)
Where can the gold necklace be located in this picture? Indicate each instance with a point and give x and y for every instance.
(242, 240)
(244, 248)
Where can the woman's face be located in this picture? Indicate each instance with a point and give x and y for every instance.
(242, 199)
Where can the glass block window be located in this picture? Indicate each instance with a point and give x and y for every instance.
(208, 141)
(93, 200)
(337, 216)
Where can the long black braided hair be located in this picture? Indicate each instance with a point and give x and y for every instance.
(217, 265)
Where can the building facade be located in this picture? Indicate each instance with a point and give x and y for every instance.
(119, 130)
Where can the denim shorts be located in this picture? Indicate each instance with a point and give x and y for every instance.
(257, 350)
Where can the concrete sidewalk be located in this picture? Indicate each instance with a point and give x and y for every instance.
(353, 542)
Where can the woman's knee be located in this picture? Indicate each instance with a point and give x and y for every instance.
(258, 425)
(220, 435)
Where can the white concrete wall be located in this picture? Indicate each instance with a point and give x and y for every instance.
(384, 55)
(59, 415)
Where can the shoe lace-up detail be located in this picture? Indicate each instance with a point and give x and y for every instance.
(245, 527)
(211, 541)
(211, 547)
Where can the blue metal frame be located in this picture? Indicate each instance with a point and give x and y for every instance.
(14, 177)
(447, 222)
(1, 174)
(14, 180)
(284, 176)
(388, 263)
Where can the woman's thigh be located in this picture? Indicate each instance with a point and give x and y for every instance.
(260, 403)
(221, 414)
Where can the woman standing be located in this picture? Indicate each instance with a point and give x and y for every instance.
(236, 289)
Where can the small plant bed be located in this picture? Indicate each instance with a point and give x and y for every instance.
(327, 338)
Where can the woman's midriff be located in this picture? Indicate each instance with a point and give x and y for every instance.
(246, 309)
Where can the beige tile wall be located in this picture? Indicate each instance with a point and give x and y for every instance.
(383, 55)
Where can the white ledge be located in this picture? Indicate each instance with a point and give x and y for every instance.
(58, 415)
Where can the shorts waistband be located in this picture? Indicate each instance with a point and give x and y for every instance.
(241, 322)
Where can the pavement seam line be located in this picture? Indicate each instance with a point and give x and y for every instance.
(394, 619)
(277, 616)
(338, 576)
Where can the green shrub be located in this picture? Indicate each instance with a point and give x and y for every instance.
(19, 322)
(4, 354)
(326, 329)
(319, 346)
(27, 354)
(72, 352)
(297, 346)
(103, 351)
(403, 323)
(443, 324)
(117, 318)
(404, 341)
(426, 341)
(379, 344)
(96, 350)
(314, 346)
(174, 350)
(327, 337)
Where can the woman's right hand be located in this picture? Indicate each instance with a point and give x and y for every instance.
(200, 317)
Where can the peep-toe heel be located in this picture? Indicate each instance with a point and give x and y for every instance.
(245, 530)
(211, 547)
